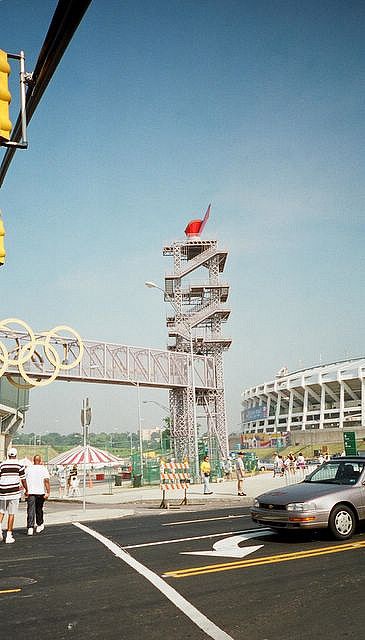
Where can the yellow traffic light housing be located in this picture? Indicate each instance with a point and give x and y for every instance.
(2, 247)
(5, 98)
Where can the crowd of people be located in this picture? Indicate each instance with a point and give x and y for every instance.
(282, 465)
(292, 463)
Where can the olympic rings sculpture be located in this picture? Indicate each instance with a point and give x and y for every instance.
(21, 354)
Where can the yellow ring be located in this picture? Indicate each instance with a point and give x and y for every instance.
(17, 361)
(18, 385)
(5, 359)
(53, 332)
(44, 382)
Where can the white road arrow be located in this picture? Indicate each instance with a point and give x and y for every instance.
(229, 547)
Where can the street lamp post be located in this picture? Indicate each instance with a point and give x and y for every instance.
(136, 384)
(153, 285)
(140, 429)
(85, 424)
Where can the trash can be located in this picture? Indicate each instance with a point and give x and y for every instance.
(137, 480)
(118, 480)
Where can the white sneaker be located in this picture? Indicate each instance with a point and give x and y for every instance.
(30, 531)
(40, 528)
(9, 538)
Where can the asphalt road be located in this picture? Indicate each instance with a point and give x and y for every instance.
(65, 583)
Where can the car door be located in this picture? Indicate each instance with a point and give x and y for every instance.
(358, 496)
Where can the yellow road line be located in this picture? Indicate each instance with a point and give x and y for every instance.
(10, 591)
(283, 557)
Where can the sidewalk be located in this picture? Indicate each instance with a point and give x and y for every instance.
(104, 501)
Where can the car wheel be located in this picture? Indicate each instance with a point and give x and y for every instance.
(342, 522)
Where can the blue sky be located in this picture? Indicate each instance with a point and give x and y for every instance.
(157, 109)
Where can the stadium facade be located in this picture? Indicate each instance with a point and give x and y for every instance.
(314, 405)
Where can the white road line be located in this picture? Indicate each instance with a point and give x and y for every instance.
(156, 544)
(175, 540)
(257, 531)
(181, 603)
(172, 524)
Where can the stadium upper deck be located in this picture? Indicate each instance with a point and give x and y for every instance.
(329, 396)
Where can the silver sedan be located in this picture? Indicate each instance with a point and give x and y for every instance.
(332, 496)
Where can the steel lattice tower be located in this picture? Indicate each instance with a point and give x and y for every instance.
(197, 296)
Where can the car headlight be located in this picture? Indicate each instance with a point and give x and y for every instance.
(301, 506)
(256, 503)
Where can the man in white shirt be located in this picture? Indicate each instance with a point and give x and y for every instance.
(39, 489)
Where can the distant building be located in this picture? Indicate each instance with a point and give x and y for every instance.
(148, 434)
(312, 405)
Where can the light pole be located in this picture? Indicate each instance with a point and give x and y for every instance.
(140, 429)
(85, 424)
(136, 384)
(153, 285)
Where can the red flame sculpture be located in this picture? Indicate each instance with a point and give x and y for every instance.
(195, 227)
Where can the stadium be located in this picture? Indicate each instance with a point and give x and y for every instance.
(313, 405)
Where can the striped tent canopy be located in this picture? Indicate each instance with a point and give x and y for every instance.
(85, 455)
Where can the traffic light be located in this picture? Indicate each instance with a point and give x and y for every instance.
(2, 248)
(5, 98)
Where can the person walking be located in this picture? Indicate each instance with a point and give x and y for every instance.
(240, 473)
(73, 483)
(61, 474)
(205, 472)
(227, 467)
(39, 489)
(278, 465)
(12, 476)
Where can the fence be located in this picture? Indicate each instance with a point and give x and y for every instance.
(295, 474)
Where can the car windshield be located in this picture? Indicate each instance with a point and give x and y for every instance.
(337, 472)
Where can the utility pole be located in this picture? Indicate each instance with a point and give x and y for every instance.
(85, 423)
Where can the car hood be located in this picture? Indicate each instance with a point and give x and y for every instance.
(301, 492)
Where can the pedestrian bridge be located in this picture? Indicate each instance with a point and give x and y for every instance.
(54, 357)
(109, 363)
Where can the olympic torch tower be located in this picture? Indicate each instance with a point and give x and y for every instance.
(198, 295)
